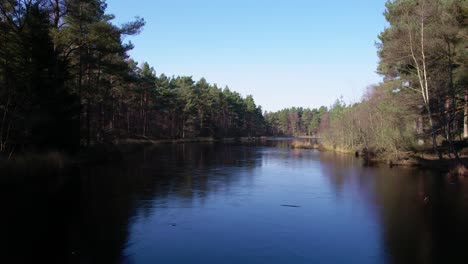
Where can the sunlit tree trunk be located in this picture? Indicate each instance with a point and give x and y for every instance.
(421, 70)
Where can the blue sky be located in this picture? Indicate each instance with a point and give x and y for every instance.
(285, 53)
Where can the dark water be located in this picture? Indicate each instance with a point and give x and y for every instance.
(214, 203)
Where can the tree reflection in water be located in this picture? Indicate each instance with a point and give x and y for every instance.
(366, 214)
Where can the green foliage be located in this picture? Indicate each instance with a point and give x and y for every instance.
(425, 48)
(382, 122)
(66, 80)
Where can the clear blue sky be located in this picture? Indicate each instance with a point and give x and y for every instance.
(285, 53)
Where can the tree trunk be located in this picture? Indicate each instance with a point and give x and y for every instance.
(88, 105)
(128, 121)
(112, 124)
(88, 122)
(465, 116)
(183, 129)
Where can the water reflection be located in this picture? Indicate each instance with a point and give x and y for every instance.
(421, 213)
(208, 203)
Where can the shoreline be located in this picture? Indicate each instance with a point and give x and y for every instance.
(115, 151)
(148, 141)
(421, 160)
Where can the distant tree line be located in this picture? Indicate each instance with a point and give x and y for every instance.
(66, 82)
(178, 107)
(296, 121)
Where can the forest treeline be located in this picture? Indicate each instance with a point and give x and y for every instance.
(422, 101)
(297, 121)
(66, 82)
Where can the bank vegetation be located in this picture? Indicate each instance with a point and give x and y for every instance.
(420, 110)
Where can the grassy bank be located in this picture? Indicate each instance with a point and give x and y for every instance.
(305, 145)
(35, 164)
(334, 148)
(421, 157)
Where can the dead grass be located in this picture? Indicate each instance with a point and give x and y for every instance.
(32, 165)
(301, 144)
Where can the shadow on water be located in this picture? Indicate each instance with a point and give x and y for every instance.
(411, 216)
(86, 220)
(423, 214)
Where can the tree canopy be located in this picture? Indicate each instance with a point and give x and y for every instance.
(66, 81)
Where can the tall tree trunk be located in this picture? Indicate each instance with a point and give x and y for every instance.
(420, 125)
(128, 121)
(88, 105)
(88, 122)
(421, 71)
(183, 129)
(465, 116)
(144, 123)
(112, 123)
(448, 117)
(2, 127)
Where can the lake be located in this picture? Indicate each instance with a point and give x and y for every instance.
(238, 203)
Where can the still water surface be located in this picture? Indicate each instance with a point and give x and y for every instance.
(229, 203)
